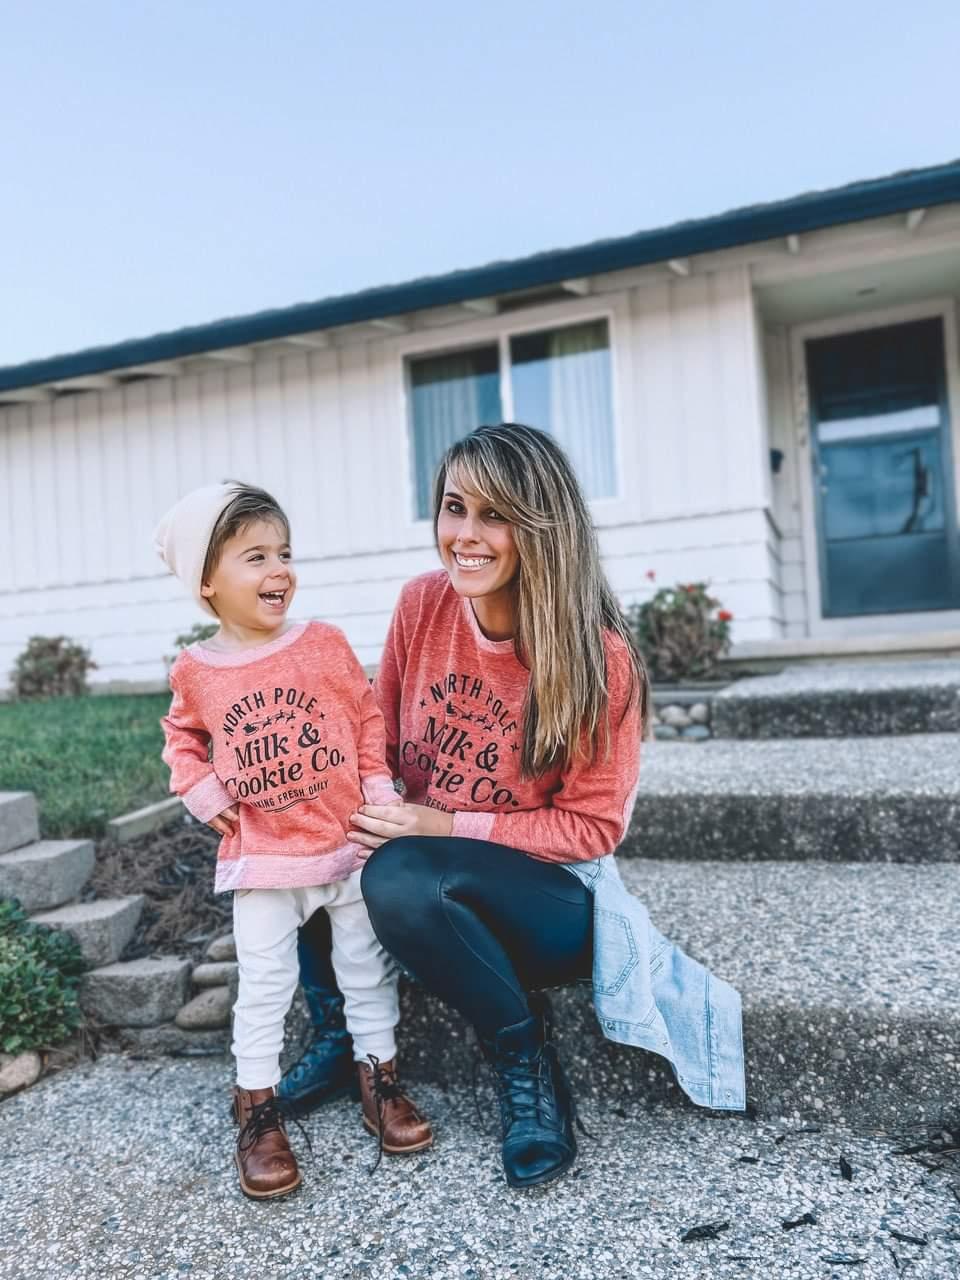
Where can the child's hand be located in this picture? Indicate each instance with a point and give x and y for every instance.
(226, 823)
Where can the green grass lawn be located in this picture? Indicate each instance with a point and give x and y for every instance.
(88, 759)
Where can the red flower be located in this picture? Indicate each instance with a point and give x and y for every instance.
(691, 588)
(725, 615)
(651, 575)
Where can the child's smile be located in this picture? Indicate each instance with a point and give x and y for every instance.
(253, 585)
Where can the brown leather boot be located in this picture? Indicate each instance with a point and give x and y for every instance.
(388, 1112)
(266, 1164)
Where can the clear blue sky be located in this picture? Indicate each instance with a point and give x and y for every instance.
(166, 162)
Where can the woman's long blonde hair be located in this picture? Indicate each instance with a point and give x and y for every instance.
(563, 599)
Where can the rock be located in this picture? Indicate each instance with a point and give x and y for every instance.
(136, 993)
(17, 1071)
(222, 948)
(219, 974)
(664, 731)
(695, 733)
(700, 713)
(675, 717)
(171, 1039)
(102, 927)
(207, 1011)
(18, 819)
(47, 873)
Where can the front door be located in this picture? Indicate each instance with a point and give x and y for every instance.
(882, 471)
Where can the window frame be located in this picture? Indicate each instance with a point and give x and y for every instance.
(497, 330)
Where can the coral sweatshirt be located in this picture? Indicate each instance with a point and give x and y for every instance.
(452, 703)
(297, 744)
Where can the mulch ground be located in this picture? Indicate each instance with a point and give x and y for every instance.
(174, 869)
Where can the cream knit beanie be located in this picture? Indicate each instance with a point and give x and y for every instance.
(183, 535)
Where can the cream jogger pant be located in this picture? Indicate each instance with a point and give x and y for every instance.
(265, 923)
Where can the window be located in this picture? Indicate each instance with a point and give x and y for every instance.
(450, 396)
(556, 379)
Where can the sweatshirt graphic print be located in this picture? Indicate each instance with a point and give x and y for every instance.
(290, 733)
(452, 702)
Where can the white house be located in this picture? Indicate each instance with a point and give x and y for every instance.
(768, 399)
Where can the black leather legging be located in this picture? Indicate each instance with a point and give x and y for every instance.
(479, 924)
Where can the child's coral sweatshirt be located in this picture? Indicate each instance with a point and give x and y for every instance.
(297, 744)
(452, 701)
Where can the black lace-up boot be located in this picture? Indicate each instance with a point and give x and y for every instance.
(325, 1069)
(536, 1107)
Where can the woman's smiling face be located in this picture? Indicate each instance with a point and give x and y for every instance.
(476, 543)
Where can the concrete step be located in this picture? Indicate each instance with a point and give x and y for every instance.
(849, 980)
(46, 873)
(103, 927)
(18, 819)
(136, 993)
(857, 800)
(842, 700)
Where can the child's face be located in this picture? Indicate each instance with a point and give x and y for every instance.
(254, 582)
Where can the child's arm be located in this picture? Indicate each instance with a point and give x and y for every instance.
(375, 780)
(187, 754)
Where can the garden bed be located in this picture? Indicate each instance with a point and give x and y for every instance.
(87, 759)
(174, 869)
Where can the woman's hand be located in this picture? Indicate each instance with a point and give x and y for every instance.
(226, 822)
(374, 824)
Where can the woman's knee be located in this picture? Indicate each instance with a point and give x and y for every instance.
(396, 878)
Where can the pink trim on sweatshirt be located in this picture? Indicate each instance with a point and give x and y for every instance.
(473, 825)
(379, 789)
(243, 657)
(491, 646)
(208, 798)
(281, 871)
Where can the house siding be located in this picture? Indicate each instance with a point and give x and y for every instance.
(85, 478)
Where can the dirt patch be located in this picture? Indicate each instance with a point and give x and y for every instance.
(174, 869)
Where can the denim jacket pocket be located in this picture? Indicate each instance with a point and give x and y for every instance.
(615, 951)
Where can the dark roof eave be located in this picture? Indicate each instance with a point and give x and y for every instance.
(854, 203)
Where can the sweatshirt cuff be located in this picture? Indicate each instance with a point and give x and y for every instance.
(473, 826)
(378, 788)
(207, 798)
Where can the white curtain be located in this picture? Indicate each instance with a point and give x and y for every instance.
(581, 403)
(451, 397)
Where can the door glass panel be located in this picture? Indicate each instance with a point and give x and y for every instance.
(881, 424)
(882, 470)
(882, 488)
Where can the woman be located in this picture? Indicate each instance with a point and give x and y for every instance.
(514, 700)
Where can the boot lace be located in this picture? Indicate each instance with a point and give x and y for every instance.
(265, 1117)
(525, 1092)
(386, 1088)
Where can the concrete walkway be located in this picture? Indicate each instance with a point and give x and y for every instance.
(123, 1168)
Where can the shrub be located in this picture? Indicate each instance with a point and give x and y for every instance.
(40, 969)
(679, 633)
(199, 631)
(51, 667)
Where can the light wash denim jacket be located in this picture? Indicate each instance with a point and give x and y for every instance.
(650, 994)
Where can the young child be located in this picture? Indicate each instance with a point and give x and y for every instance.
(274, 738)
